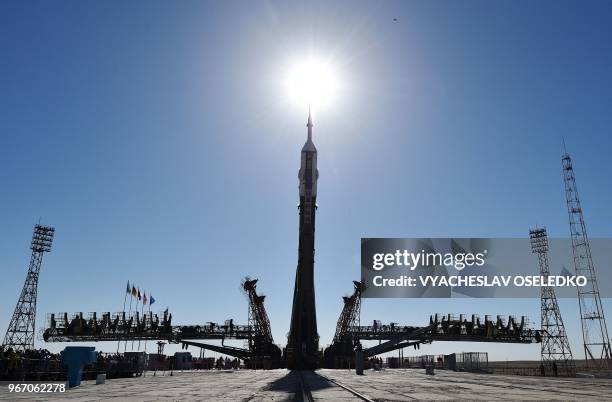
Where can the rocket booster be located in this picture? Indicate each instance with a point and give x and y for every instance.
(303, 340)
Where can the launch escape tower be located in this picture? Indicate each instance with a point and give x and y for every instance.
(303, 340)
(20, 332)
(594, 330)
(555, 347)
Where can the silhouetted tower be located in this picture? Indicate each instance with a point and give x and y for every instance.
(341, 353)
(350, 314)
(303, 341)
(556, 354)
(594, 329)
(20, 332)
(261, 344)
(258, 318)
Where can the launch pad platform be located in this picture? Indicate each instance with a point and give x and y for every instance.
(329, 385)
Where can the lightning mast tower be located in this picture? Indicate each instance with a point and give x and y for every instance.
(555, 347)
(20, 332)
(594, 330)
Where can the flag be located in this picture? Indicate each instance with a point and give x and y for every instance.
(144, 298)
(151, 300)
(128, 290)
(134, 291)
(139, 297)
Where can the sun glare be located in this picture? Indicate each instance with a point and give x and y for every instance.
(312, 83)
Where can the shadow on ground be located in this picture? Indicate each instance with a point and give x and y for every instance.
(291, 383)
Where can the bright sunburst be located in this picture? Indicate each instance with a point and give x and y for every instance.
(312, 83)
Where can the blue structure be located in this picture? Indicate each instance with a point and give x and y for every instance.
(75, 358)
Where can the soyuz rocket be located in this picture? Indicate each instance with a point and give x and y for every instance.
(303, 341)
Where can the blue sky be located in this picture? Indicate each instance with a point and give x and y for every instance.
(158, 140)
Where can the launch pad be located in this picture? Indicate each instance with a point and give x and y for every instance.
(302, 350)
(335, 385)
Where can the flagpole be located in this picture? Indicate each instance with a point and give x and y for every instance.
(142, 315)
(151, 301)
(136, 311)
(147, 341)
(126, 338)
(124, 300)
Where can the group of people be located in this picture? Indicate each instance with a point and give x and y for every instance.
(7, 352)
(13, 363)
(111, 357)
(39, 364)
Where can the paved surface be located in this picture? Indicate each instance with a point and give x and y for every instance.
(246, 385)
(405, 385)
(281, 385)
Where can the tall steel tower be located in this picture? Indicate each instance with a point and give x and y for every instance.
(594, 329)
(556, 354)
(20, 332)
(303, 342)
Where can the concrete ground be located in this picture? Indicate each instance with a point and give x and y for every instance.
(281, 385)
(414, 384)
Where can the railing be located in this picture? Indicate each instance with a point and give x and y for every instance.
(451, 329)
(526, 371)
(118, 326)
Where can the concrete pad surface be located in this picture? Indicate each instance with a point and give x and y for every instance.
(283, 385)
(414, 384)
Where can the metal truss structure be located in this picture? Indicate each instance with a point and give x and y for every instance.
(258, 317)
(120, 327)
(445, 328)
(340, 352)
(20, 331)
(349, 334)
(556, 353)
(594, 329)
(349, 317)
(261, 351)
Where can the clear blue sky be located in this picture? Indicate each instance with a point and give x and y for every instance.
(156, 138)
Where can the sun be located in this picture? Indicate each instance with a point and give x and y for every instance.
(312, 83)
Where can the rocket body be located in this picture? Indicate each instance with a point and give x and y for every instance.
(303, 343)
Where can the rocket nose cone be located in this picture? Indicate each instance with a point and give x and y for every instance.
(309, 146)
